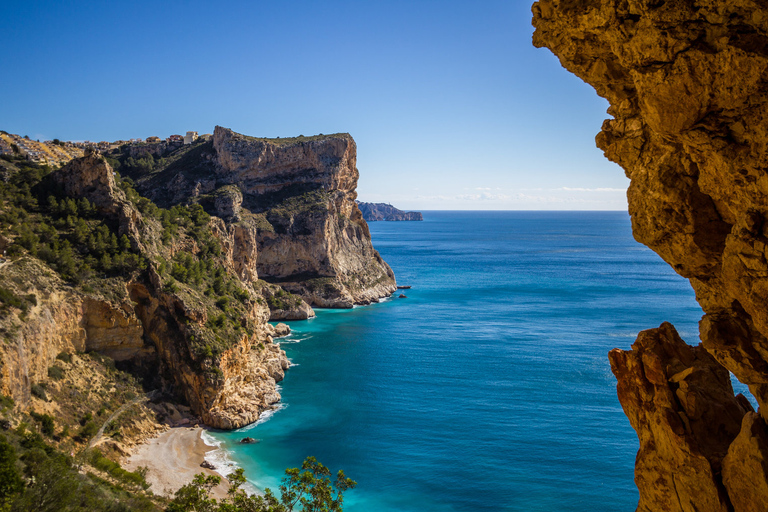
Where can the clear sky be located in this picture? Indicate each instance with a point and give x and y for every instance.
(450, 104)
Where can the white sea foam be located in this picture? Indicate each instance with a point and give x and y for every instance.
(263, 417)
(209, 439)
(291, 339)
(219, 457)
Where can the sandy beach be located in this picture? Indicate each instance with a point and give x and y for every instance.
(173, 458)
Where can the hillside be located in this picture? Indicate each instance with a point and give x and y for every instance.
(112, 303)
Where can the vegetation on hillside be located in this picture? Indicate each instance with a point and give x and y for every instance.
(37, 474)
(67, 233)
(84, 248)
(44, 463)
(287, 141)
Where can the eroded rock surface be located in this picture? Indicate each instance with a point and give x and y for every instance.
(290, 206)
(228, 377)
(687, 84)
(680, 401)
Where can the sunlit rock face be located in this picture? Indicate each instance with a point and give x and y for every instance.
(312, 238)
(687, 83)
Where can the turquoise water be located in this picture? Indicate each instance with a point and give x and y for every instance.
(488, 388)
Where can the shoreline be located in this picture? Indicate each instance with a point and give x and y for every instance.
(173, 458)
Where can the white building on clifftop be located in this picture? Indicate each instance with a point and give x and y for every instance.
(190, 137)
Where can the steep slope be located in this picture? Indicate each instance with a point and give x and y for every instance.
(687, 85)
(102, 269)
(291, 205)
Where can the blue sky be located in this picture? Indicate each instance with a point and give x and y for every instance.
(450, 104)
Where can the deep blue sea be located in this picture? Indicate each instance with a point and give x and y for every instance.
(489, 387)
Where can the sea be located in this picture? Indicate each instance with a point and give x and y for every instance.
(488, 387)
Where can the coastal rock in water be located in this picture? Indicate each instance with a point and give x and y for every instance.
(687, 84)
(284, 305)
(383, 211)
(280, 330)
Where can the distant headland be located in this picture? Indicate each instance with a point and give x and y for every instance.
(384, 211)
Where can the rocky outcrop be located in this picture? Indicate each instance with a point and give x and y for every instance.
(383, 211)
(680, 401)
(305, 190)
(216, 356)
(91, 177)
(292, 201)
(687, 84)
(283, 305)
(190, 316)
(278, 331)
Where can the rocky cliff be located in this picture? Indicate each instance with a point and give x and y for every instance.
(170, 300)
(178, 296)
(382, 211)
(687, 82)
(290, 203)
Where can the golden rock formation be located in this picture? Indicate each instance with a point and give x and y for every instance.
(687, 83)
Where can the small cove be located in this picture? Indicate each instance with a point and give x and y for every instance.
(488, 388)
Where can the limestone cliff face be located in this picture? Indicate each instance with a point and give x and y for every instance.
(318, 232)
(680, 401)
(290, 206)
(140, 320)
(687, 86)
(61, 320)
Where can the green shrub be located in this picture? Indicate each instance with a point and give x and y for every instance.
(222, 303)
(9, 299)
(46, 423)
(6, 402)
(55, 372)
(64, 356)
(86, 418)
(87, 431)
(106, 465)
(39, 391)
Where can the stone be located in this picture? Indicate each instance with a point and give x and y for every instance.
(687, 83)
(680, 401)
(282, 330)
(745, 467)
